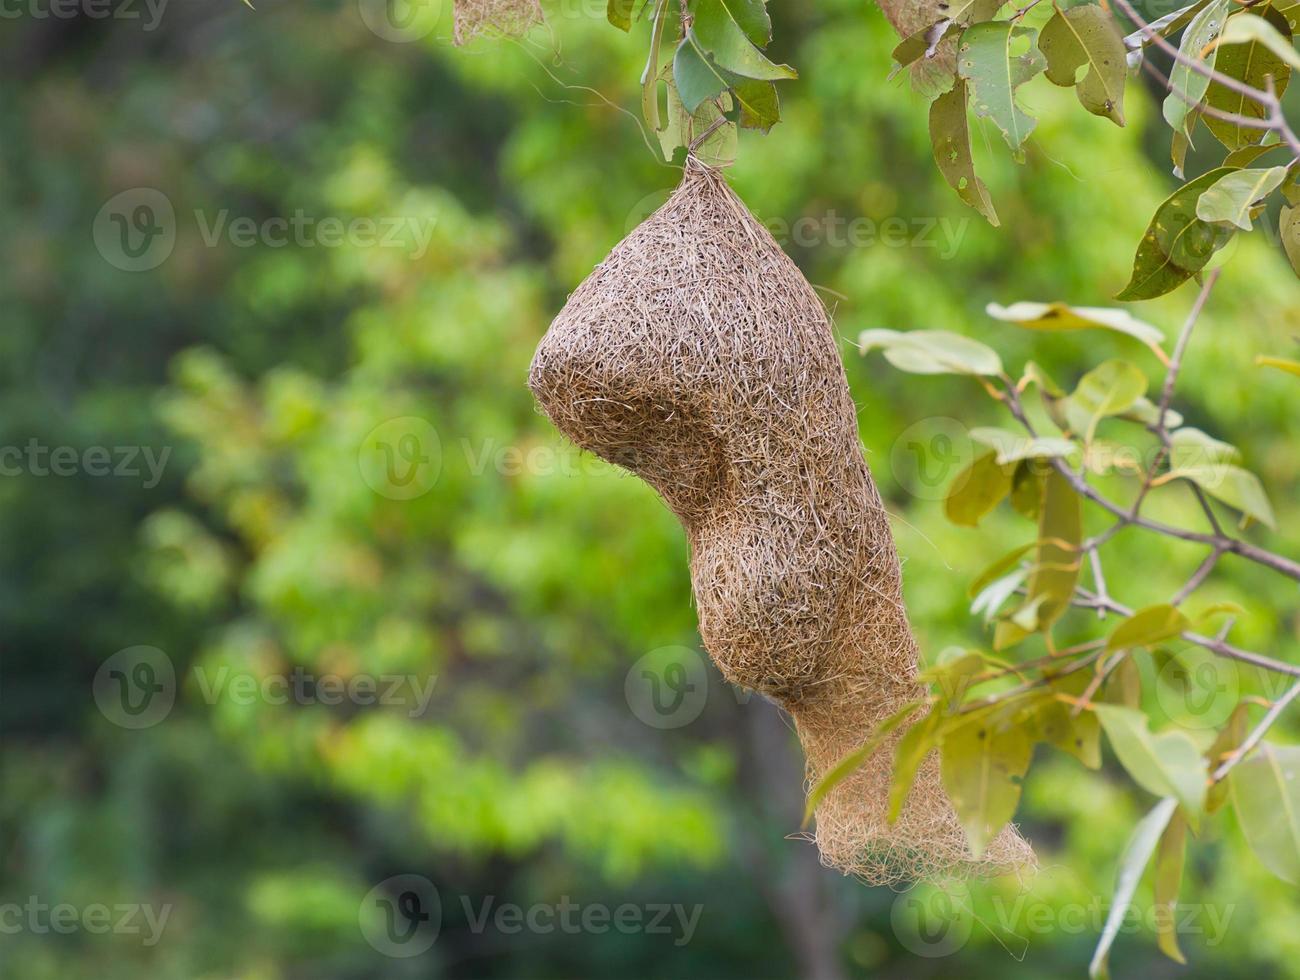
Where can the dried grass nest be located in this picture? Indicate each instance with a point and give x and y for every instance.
(495, 18)
(697, 356)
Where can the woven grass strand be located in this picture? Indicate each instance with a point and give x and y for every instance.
(697, 356)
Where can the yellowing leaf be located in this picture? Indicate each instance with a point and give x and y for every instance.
(1251, 62)
(1056, 566)
(855, 759)
(1281, 363)
(1059, 316)
(982, 768)
(1147, 627)
(1187, 86)
(1169, 879)
(977, 490)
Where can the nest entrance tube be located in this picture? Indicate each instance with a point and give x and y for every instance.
(697, 356)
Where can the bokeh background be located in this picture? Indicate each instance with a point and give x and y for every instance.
(349, 480)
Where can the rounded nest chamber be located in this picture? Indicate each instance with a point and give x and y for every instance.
(697, 356)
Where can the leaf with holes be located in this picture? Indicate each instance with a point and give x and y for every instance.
(1082, 36)
(985, 60)
(1177, 244)
(950, 138)
(1252, 63)
(1186, 85)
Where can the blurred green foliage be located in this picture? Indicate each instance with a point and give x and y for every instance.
(528, 579)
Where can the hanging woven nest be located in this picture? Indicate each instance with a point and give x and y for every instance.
(495, 18)
(697, 356)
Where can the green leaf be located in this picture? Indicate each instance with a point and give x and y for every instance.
(985, 60)
(1054, 722)
(1250, 62)
(1027, 491)
(717, 29)
(1170, 857)
(1137, 853)
(1147, 627)
(957, 15)
(1108, 389)
(1124, 685)
(695, 77)
(1232, 197)
(1186, 86)
(1059, 316)
(1056, 566)
(1228, 740)
(1265, 790)
(1288, 226)
(912, 749)
(953, 676)
(1281, 363)
(977, 490)
(650, 75)
(1190, 447)
(1167, 764)
(1177, 244)
(1238, 488)
(997, 570)
(1036, 374)
(1247, 27)
(852, 762)
(760, 107)
(1012, 447)
(619, 13)
(932, 352)
(1086, 35)
(982, 767)
(1144, 410)
(681, 127)
(950, 139)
